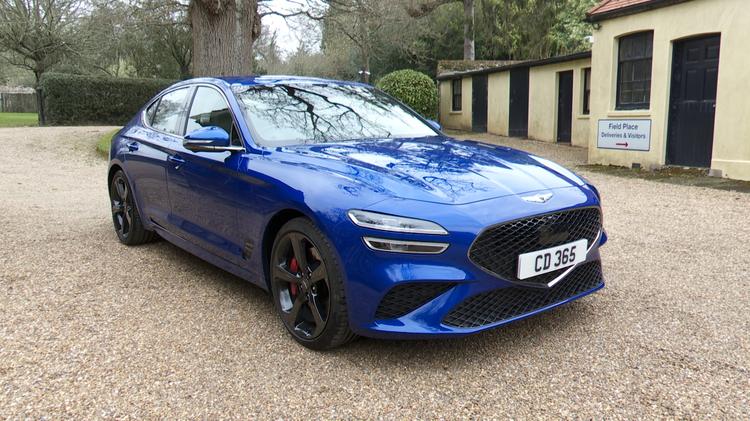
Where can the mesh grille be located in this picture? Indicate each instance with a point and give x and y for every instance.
(505, 303)
(405, 298)
(497, 248)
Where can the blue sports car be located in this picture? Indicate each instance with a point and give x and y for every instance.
(358, 215)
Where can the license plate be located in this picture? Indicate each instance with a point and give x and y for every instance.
(543, 261)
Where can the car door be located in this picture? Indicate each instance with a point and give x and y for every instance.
(203, 186)
(149, 145)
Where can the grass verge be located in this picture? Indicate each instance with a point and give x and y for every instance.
(102, 144)
(18, 119)
(674, 175)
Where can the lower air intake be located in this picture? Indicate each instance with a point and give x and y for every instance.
(506, 303)
(405, 298)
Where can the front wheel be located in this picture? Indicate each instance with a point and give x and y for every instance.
(125, 216)
(307, 286)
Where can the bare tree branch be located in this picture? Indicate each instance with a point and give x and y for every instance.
(419, 9)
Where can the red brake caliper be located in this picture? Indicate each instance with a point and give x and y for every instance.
(293, 268)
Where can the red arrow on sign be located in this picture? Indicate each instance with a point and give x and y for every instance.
(622, 144)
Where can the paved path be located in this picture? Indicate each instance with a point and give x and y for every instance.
(90, 328)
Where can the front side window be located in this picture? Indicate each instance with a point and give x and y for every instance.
(169, 112)
(456, 94)
(209, 108)
(586, 91)
(634, 71)
(293, 114)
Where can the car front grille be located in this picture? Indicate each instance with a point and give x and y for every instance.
(405, 298)
(497, 248)
(506, 303)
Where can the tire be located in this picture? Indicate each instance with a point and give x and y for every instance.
(307, 286)
(125, 215)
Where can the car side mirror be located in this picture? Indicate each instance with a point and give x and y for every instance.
(435, 125)
(209, 139)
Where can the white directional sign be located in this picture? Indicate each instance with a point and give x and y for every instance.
(629, 135)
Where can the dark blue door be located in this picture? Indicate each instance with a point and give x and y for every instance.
(204, 186)
(149, 147)
(203, 190)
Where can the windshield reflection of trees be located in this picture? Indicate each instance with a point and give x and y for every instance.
(324, 113)
(330, 114)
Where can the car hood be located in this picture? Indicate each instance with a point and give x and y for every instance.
(434, 169)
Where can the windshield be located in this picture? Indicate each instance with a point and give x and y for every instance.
(293, 114)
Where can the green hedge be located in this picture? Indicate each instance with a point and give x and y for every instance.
(79, 100)
(414, 89)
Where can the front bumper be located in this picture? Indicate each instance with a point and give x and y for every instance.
(466, 299)
(473, 305)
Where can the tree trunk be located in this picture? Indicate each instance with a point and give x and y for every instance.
(365, 77)
(365, 39)
(223, 36)
(40, 107)
(468, 29)
(185, 71)
(40, 114)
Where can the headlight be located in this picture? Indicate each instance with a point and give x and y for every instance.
(400, 246)
(383, 222)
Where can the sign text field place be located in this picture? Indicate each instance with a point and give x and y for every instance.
(628, 135)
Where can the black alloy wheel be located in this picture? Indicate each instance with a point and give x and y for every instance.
(307, 290)
(304, 295)
(125, 215)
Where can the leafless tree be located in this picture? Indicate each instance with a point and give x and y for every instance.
(168, 22)
(37, 34)
(224, 31)
(359, 22)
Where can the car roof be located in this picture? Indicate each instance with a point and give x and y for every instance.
(266, 80)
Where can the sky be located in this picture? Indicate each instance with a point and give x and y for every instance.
(288, 39)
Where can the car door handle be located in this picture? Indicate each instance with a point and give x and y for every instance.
(176, 160)
(133, 146)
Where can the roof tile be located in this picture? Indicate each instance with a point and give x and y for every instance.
(612, 5)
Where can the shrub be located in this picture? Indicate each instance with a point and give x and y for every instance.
(77, 100)
(414, 89)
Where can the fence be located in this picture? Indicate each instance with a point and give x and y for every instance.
(17, 103)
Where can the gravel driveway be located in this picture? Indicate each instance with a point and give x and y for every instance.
(91, 328)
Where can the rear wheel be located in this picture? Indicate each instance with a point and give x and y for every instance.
(125, 216)
(307, 286)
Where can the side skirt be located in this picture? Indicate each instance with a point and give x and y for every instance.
(210, 258)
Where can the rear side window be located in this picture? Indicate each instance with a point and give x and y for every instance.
(169, 111)
(150, 112)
